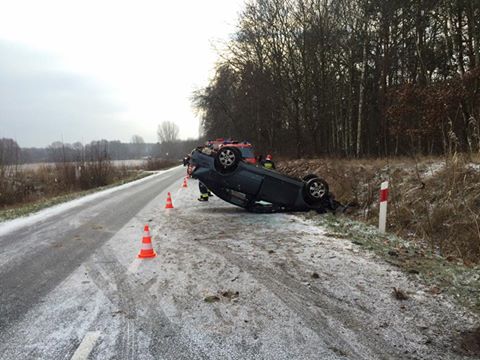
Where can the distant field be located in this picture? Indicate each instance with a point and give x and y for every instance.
(36, 166)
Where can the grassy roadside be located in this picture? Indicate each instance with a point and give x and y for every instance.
(440, 275)
(432, 201)
(26, 209)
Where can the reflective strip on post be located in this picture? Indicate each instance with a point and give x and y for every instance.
(382, 218)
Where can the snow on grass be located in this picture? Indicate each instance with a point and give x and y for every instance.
(475, 167)
(433, 169)
(450, 277)
(11, 225)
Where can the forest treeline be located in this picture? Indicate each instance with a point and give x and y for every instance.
(59, 152)
(349, 77)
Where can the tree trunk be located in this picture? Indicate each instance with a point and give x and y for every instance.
(459, 41)
(363, 72)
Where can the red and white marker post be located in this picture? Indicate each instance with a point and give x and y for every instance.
(382, 218)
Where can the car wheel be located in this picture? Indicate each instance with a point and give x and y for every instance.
(308, 177)
(315, 190)
(227, 159)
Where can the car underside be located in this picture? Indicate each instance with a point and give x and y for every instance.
(255, 188)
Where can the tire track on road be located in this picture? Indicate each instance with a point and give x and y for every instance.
(314, 306)
(165, 338)
(57, 251)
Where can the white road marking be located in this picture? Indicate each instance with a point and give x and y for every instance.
(86, 346)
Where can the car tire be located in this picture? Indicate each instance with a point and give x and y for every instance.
(227, 159)
(308, 177)
(315, 190)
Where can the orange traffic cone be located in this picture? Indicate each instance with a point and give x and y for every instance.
(184, 185)
(169, 202)
(147, 249)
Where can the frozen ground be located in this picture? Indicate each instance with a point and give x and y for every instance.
(226, 284)
(36, 166)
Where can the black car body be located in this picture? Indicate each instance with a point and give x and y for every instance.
(254, 187)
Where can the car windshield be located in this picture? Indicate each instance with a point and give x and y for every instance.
(247, 153)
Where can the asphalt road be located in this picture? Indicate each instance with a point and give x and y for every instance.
(35, 259)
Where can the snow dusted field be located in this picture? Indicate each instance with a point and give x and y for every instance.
(226, 284)
(36, 166)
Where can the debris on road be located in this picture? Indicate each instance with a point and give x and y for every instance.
(211, 298)
(229, 294)
(399, 294)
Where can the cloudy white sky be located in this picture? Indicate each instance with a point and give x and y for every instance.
(90, 69)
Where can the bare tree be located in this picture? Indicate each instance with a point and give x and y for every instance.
(137, 139)
(345, 77)
(167, 132)
(9, 152)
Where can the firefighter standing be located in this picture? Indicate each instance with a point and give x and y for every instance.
(204, 192)
(268, 163)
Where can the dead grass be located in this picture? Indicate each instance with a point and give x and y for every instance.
(24, 186)
(20, 187)
(433, 201)
(469, 343)
(26, 208)
(159, 164)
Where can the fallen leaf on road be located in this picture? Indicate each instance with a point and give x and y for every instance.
(211, 298)
(230, 294)
(435, 290)
(399, 294)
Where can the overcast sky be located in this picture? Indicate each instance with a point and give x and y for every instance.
(91, 69)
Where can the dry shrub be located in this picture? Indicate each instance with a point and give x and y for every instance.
(432, 201)
(159, 164)
(12, 188)
(23, 185)
(96, 173)
(454, 207)
(19, 186)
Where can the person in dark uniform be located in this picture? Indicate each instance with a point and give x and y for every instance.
(204, 193)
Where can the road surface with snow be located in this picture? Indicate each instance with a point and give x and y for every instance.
(226, 284)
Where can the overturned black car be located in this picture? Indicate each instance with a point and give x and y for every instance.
(255, 188)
